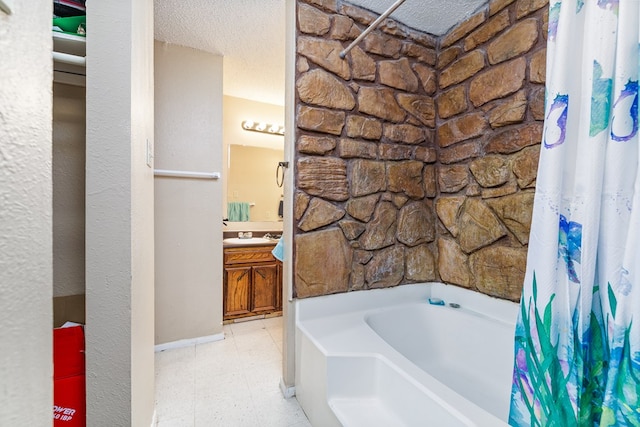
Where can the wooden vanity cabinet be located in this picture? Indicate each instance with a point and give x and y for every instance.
(252, 282)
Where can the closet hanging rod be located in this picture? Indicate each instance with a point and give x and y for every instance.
(186, 174)
(70, 59)
(371, 27)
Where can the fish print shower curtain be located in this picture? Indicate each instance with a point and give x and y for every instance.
(577, 344)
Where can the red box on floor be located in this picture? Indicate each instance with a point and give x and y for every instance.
(69, 403)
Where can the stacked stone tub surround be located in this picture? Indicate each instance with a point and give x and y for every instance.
(416, 155)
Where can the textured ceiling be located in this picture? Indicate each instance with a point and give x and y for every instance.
(250, 34)
(432, 16)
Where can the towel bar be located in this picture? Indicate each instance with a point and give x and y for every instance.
(186, 174)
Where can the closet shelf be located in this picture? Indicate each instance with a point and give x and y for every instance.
(69, 43)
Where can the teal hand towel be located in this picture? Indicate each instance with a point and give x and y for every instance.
(278, 251)
(238, 211)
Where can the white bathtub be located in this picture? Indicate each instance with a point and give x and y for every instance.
(388, 358)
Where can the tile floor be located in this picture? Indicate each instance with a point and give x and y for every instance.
(228, 383)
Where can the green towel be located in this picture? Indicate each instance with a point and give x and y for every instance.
(238, 211)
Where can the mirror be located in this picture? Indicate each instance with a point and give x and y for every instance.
(252, 179)
(252, 158)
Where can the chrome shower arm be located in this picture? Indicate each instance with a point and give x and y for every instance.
(371, 27)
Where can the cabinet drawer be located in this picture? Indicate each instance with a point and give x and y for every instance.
(248, 255)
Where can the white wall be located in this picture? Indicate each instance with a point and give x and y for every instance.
(288, 307)
(188, 222)
(142, 218)
(26, 370)
(68, 203)
(68, 189)
(119, 214)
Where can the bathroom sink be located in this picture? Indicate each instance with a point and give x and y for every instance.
(236, 241)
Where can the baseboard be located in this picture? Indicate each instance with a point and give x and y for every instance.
(287, 392)
(185, 343)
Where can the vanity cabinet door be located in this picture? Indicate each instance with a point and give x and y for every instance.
(265, 285)
(237, 291)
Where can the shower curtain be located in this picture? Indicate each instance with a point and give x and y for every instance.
(577, 344)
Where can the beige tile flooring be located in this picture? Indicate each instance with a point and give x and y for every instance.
(228, 383)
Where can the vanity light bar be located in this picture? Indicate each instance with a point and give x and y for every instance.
(263, 127)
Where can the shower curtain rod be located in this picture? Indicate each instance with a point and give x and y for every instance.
(371, 27)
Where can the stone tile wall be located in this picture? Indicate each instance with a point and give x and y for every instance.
(490, 108)
(416, 156)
